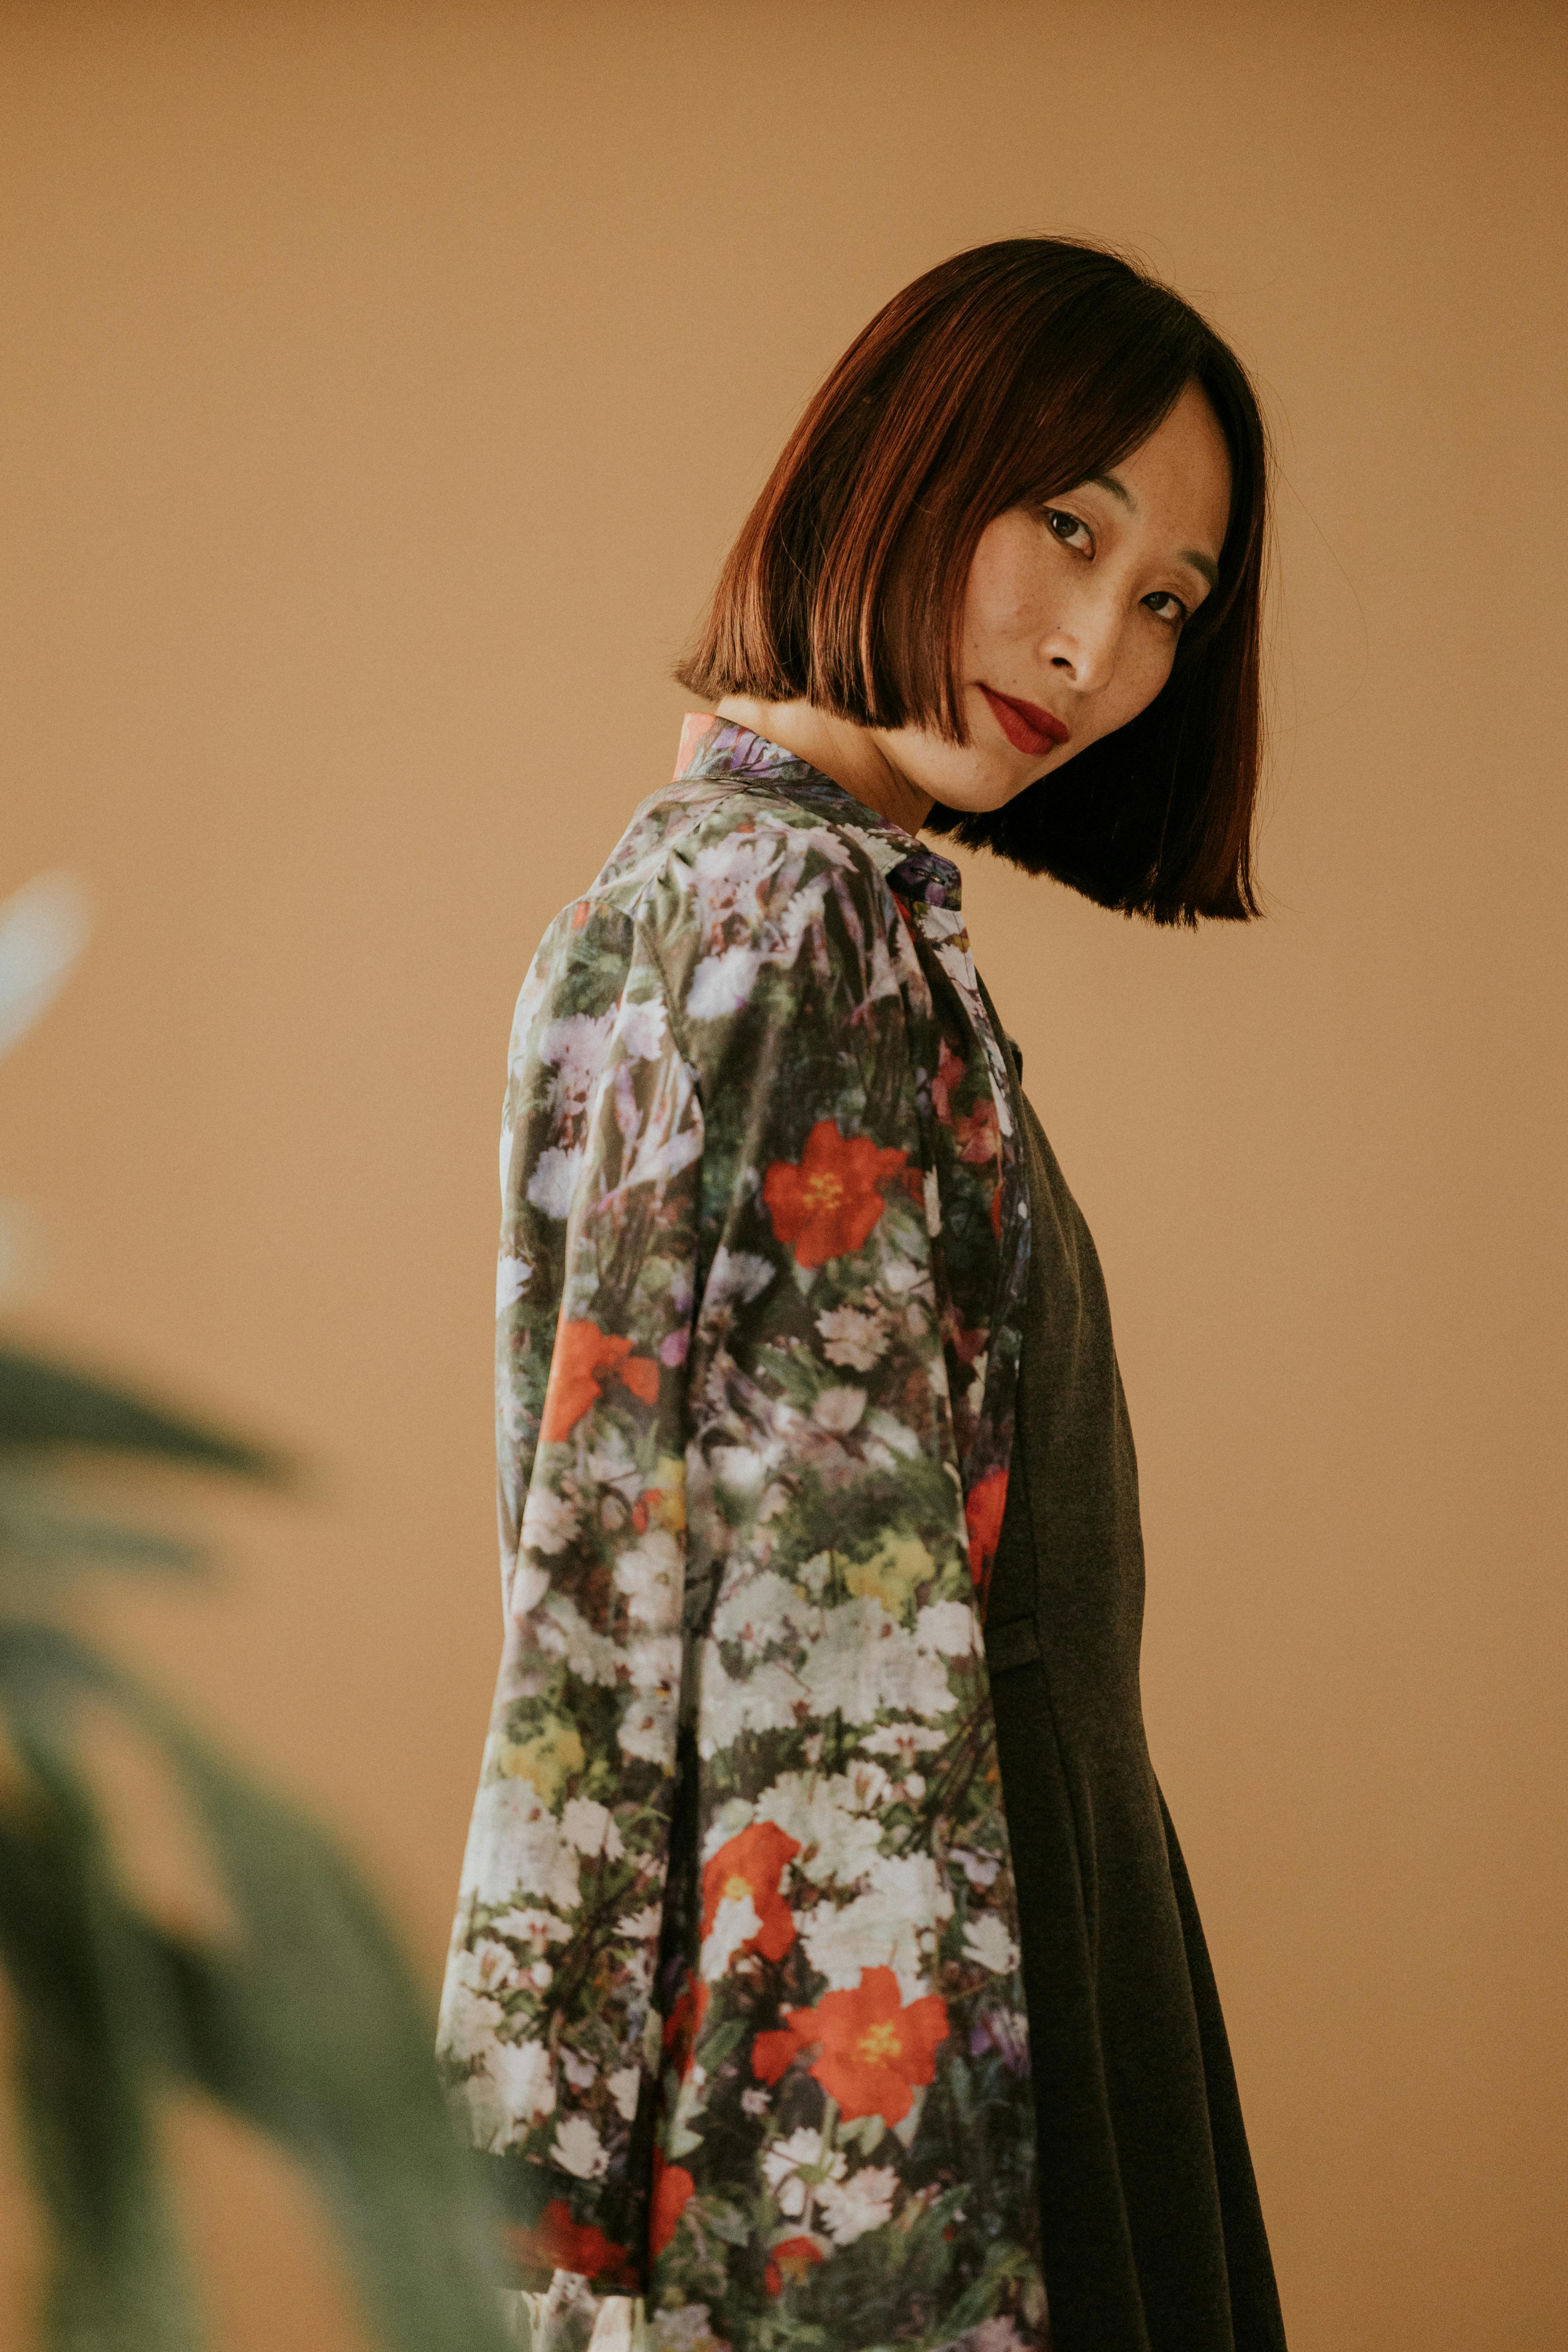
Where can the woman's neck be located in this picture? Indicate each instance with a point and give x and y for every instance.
(854, 757)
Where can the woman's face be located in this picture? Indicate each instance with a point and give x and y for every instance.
(1074, 611)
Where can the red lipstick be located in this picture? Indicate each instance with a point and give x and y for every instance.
(1027, 727)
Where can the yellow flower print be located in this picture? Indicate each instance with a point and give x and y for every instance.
(548, 1760)
(894, 1573)
(663, 1503)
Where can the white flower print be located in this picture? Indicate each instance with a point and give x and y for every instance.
(642, 1926)
(548, 1521)
(980, 1869)
(646, 1729)
(488, 1967)
(591, 1828)
(653, 1662)
(734, 1923)
(514, 1848)
(468, 2020)
(742, 1468)
(523, 2073)
(838, 1842)
(737, 1275)
(904, 1279)
(851, 1337)
(762, 1610)
(641, 1027)
(532, 1927)
(881, 1928)
(688, 2329)
(553, 1183)
(839, 1410)
(561, 1633)
(512, 1275)
(729, 876)
(904, 1740)
(612, 1463)
(995, 2335)
(528, 1585)
(867, 1785)
(986, 1940)
(650, 1574)
(722, 983)
(864, 1665)
(625, 2087)
(578, 2149)
(842, 1943)
(575, 1049)
(849, 2208)
(915, 1884)
(765, 1699)
(949, 1627)
(797, 2165)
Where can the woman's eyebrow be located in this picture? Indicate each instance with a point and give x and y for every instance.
(1204, 565)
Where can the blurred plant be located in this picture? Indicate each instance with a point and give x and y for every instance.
(301, 2017)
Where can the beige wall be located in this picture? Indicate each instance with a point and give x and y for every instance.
(380, 387)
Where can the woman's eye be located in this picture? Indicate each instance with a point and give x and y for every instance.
(1069, 530)
(1176, 611)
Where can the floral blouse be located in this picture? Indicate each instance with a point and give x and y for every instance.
(733, 1999)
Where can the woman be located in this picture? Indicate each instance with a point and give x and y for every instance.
(826, 1971)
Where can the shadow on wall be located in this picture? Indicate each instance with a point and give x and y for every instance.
(292, 2006)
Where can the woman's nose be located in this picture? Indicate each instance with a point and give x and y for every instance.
(1083, 648)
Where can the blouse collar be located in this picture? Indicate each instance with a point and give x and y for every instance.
(713, 747)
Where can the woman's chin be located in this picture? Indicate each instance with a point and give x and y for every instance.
(982, 794)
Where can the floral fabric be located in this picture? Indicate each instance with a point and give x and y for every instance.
(733, 1999)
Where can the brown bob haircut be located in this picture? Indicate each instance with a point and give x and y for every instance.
(1001, 379)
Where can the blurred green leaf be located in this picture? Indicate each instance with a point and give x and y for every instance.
(307, 2023)
(310, 2026)
(85, 2036)
(44, 1403)
(42, 1541)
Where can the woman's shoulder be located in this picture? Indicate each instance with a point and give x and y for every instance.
(709, 849)
(725, 895)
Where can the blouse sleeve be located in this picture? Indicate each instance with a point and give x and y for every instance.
(545, 2027)
(713, 1151)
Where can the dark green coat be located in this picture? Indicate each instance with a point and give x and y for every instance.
(1153, 2239)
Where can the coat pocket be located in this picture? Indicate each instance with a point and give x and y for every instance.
(1014, 1643)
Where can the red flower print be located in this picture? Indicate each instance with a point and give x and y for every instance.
(673, 2190)
(874, 2050)
(582, 1359)
(978, 1136)
(772, 2052)
(557, 2242)
(966, 1343)
(982, 1509)
(790, 2263)
(951, 1069)
(825, 1204)
(753, 1865)
(684, 2023)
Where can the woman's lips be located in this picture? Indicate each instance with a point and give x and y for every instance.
(1027, 727)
